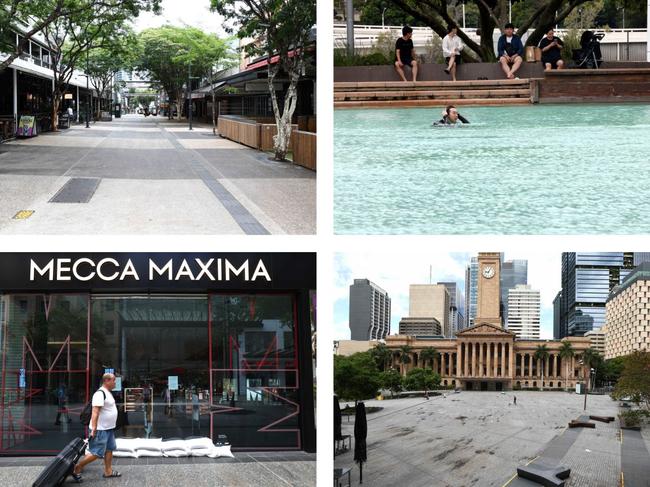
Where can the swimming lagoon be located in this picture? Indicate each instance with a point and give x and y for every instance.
(537, 169)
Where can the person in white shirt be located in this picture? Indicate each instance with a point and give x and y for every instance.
(101, 442)
(451, 48)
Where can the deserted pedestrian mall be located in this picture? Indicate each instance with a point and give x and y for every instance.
(216, 345)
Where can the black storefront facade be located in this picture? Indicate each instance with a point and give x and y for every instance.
(203, 344)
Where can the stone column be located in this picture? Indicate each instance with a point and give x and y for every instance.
(503, 360)
(511, 355)
(442, 364)
(458, 359)
(488, 362)
(481, 359)
(466, 365)
(474, 359)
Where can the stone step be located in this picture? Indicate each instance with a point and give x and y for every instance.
(471, 94)
(418, 85)
(431, 102)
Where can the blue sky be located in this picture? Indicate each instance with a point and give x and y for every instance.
(395, 271)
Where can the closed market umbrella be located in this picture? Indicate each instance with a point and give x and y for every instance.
(338, 420)
(360, 434)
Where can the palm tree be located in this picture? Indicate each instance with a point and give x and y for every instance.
(566, 353)
(542, 354)
(404, 356)
(429, 354)
(381, 354)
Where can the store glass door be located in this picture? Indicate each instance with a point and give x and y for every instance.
(254, 371)
(158, 348)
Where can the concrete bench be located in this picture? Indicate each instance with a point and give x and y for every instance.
(581, 424)
(603, 419)
(545, 475)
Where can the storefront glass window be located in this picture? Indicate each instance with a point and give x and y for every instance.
(255, 371)
(44, 386)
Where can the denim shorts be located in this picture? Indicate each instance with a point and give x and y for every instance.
(102, 441)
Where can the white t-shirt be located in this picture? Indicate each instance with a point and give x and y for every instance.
(451, 44)
(108, 412)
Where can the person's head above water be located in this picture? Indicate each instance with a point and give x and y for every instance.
(452, 113)
(509, 29)
(452, 30)
(407, 32)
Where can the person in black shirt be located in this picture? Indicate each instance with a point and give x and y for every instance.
(405, 54)
(551, 47)
(450, 117)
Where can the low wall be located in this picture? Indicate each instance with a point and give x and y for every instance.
(260, 136)
(433, 72)
(303, 146)
(596, 85)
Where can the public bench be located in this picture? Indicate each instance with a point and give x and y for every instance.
(339, 476)
(603, 419)
(581, 424)
(544, 475)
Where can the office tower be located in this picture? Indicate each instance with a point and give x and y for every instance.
(587, 279)
(421, 327)
(513, 273)
(430, 301)
(524, 312)
(455, 307)
(557, 313)
(369, 311)
(471, 291)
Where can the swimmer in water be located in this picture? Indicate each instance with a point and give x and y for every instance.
(450, 117)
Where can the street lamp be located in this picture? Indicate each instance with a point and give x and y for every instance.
(88, 90)
(382, 17)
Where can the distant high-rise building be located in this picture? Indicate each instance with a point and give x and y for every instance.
(524, 314)
(471, 291)
(513, 273)
(456, 303)
(587, 279)
(369, 311)
(422, 327)
(430, 301)
(557, 317)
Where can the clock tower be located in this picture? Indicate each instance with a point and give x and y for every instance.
(489, 289)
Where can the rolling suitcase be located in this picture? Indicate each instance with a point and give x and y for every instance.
(61, 466)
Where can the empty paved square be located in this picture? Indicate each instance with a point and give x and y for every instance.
(479, 439)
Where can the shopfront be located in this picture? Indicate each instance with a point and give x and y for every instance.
(212, 345)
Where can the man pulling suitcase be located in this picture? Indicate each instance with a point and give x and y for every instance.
(103, 420)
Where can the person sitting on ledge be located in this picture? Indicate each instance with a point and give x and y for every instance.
(451, 47)
(511, 51)
(450, 117)
(405, 53)
(551, 47)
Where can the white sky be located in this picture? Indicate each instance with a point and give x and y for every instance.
(194, 13)
(395, 271)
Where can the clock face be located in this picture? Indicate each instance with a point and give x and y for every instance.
(488, 272)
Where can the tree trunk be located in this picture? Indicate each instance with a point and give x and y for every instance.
(56, 102)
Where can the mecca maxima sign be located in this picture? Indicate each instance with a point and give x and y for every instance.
(156, 271)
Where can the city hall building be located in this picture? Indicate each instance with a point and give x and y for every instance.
(202, 344)
(488, 357)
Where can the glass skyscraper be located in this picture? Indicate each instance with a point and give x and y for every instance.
(513, 273)
(587, 279)
(471, 291)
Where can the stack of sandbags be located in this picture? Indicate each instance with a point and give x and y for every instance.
(149, 447)
(126, 448)
(203, 447)
(173, 447)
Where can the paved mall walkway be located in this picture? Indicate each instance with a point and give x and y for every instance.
(150, 176)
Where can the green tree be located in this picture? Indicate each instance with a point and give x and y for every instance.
(391, 380)
(429, 354)
(356, 377)
(30, 17)
(566, 354)
(88, 25)
(104, 62)
(493, 15)
(418, 379)
(635, 378)
(611, 370)
(541, 355)
(284, 29)
(589, 359)
(404, 354)
(382, 355)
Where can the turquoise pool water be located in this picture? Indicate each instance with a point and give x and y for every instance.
(543, 169)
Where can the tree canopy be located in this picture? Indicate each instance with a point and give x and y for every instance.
(635, 378)
(356, 377)
(279, 28)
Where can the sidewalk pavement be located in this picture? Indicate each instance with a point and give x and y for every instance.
(138, 175)
(270, 469)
